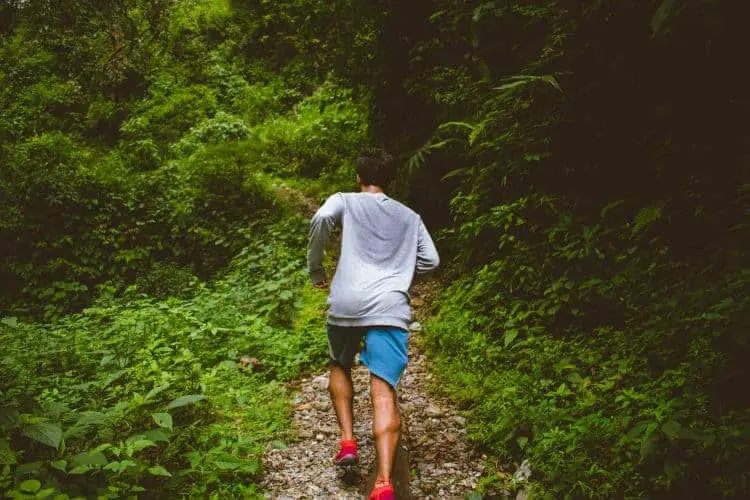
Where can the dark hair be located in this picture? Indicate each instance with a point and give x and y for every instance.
(375, 167)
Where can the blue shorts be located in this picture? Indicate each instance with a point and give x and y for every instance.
(385, 352)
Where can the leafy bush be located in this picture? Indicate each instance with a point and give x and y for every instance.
(136, 395)
(220, 128)
(167, 280)
(162, 118)
(588, 350)
(320, 137)
(255, 102)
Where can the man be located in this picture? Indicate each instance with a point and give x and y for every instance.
(384, 243)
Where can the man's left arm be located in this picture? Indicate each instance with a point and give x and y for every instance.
(321, 226)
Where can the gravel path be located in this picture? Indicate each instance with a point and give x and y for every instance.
(443, 464)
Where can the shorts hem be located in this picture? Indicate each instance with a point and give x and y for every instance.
(388, 380)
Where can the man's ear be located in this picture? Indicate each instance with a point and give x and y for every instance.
(359, 179)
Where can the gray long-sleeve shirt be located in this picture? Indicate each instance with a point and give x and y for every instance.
(384, 243)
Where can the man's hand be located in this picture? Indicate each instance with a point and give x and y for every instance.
(321, 285)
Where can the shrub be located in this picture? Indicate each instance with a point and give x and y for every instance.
(585, 347)
(321, 136)
(169, 111)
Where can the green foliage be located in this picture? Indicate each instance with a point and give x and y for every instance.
(320, 137)
(135, 394)
(589, 350)
(145, 248)
(587, 164)
(163, 118)
(155, 148)
(594, 229)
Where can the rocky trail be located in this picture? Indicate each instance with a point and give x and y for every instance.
(436, 459)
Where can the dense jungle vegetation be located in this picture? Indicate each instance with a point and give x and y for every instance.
(586, 165)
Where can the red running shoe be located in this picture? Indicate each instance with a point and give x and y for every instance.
(347, 453)
(382, 491)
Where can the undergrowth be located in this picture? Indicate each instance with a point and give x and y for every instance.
(592, 351)
(136, 395)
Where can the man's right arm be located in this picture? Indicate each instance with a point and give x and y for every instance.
(321, 226)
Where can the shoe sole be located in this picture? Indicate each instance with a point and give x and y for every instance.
(346, 461)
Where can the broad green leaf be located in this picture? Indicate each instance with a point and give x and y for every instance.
(158, 470)
(646, 216)
(81, 469)
(139, 442)
(10, 321)
(89, 458)
(185, 400)
(510, 336)
(636, 431)
(114, 377)
(60, 465)
(45, 493)
(453, 173)
(45, 433)
(155, 391)
(121, 466)
(156, 435)
(552, 81)
(512, 85)
(470, 126)
(436, 15)
(441, 144)
(227, 364)
(86, 420)
(648, 445)
(30, 486)
(163, 420)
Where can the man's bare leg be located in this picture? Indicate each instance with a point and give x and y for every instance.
(342, 393)
(386, 425)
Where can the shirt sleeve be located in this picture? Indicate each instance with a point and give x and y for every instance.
(321, 226)
(427, 255)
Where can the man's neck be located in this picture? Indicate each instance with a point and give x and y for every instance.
(371, 188)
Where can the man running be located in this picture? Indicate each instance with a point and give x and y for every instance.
(384, 243)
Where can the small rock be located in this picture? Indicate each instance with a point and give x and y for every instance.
(523, 473)
(416, 302)
(320, 382)
(459, 420)
(407, 408)
(433, 411)
(319, 436)
(416, 326)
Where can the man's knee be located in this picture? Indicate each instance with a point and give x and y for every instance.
(386, 425)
